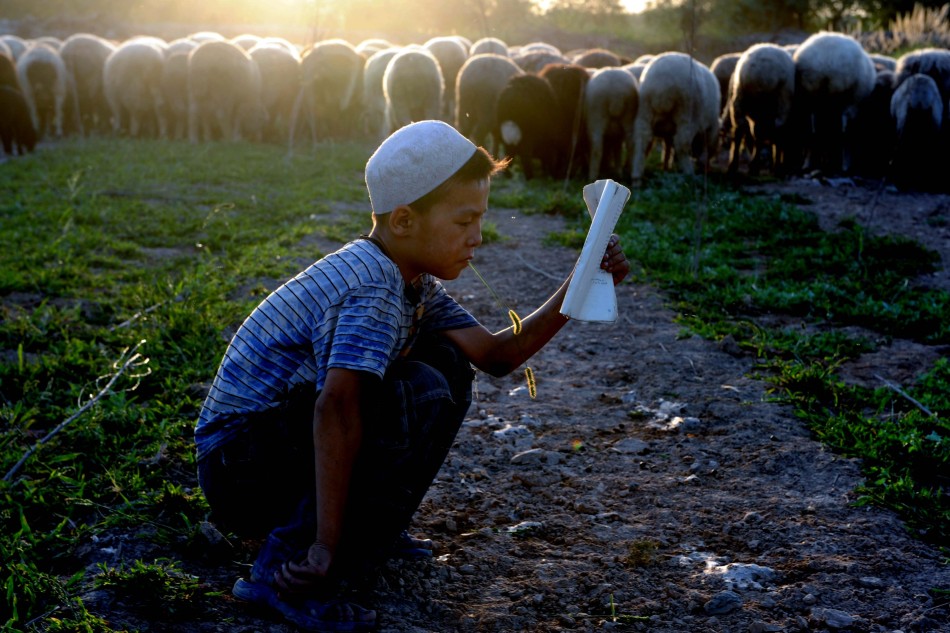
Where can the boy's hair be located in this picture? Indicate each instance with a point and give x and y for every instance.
(480, 166)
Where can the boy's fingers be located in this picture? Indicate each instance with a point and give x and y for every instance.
(294, 577)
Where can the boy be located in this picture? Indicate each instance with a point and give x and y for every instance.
(341, 394)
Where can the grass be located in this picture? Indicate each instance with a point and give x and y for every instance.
(115, 245)
(105, 244)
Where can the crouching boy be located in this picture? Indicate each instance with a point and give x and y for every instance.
(339, 397)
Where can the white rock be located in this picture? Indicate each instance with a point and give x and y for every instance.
(536, 457)
(631, 446)
(744, 576)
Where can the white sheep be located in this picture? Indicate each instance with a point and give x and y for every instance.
(247, 41)
(761, 94)
(132, 76)
(331, 81)
(679, 104)
(206, 36)
(635, 69)
(50, 40)
(413, 86)
(16, 44)
(611, 101)
(374, 99)
(273, 40)
(535, 47)
(175, 92)
(175, 86)
(480, 81)
(280, 81)
(883, 62)
(489, 45)
(85, 57)
(451, 54)
(44, 81)
(224, 92)
(597, 58)
(933, 62)
(157, 42)
(367, 48)
(181, 45)
(723, 67)
(465, 42)
(833, 74)
(533, 61)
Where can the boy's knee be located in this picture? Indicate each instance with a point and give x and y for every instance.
(441, 354)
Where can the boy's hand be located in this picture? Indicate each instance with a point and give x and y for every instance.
(307, 576)
(615, 262)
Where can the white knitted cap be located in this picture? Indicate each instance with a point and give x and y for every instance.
(413, 161)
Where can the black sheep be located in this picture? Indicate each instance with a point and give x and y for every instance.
(529, 121)
(16, 126)
(8, 75)
(918, 112)
(569, 82)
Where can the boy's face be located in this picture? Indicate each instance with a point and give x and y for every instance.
(450, 231)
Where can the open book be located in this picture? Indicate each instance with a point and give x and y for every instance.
(590, 295)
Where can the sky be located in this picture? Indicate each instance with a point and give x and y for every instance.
(634, 6)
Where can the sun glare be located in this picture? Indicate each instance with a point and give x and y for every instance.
(630, 6)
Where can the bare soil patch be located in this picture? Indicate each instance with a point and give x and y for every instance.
(651, 486)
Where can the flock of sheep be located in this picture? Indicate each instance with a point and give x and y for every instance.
(824, 104)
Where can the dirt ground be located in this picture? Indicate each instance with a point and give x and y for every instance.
(650, 486)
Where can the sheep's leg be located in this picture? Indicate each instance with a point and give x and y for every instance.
(193, 122)
(596, 135)
(682, 145)
(59, 105)
(643, 141)
(225, 124)
(159, 107)
(740, 132)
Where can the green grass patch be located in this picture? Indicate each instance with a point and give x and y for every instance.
(118, 247)
(112, 244)
(804, 301)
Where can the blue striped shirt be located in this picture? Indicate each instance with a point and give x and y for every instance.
(351, 310)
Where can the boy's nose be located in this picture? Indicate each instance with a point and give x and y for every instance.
(475, 237)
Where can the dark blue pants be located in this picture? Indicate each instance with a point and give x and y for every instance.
(263, 481)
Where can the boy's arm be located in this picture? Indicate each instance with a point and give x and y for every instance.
(502, 352)
(337, 433)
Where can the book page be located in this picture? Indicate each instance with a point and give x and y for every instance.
(591, 295)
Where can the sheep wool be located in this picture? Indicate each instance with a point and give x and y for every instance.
(413, 161)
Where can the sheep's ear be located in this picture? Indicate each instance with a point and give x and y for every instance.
(401, 220)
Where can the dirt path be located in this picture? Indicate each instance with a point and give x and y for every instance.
(651, 486)
(652, 480)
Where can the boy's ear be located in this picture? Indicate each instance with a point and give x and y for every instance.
(401, 220)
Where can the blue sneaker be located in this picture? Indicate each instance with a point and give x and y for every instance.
(322, 616)
(410, 548)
